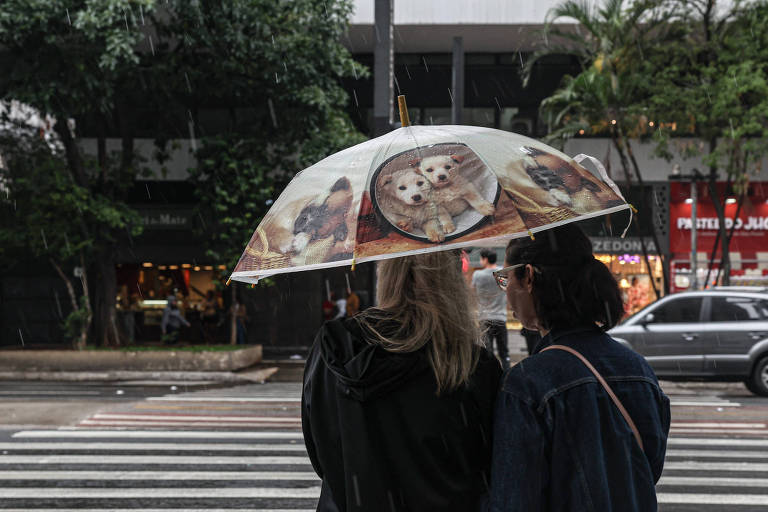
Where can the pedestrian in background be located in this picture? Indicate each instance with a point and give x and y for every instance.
(492, 306)
(397, 401)
(569, 436)
(172, 320)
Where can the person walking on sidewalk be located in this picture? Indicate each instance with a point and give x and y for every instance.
(581, 424)
(492, 306)
(172, 320)
(397, 401)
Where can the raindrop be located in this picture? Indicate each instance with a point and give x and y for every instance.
(463, 414)
(272, 112)
(354, 93)
(497, 102)
(141, 14)
(138, 287)
(733, 135)
(202, 220)
(148, 194)
(125, 18)
(66, 242)
(269, 202)
(191, 126)
(407, 72)
(189, 85)
(354, 71)
(58, 304)
(21, 337)
(68, 18)
(45, 242)
(285, 66)
(277, 79)
(397, 84)
(273, 40)
(357, 490)
(474, 87)
(521, 59)
(151, 46)
(424, 60)
(451, 95)
(376, 30)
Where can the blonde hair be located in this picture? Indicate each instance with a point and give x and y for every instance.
(427, 300)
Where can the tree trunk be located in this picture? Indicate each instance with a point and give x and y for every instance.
(85, 326)
(79, 343)
(233, 315)
(105, 324)
(619, 144)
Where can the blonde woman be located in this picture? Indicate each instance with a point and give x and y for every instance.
(397, 401)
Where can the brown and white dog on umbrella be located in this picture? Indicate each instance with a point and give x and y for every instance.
(404, 199)
(451, 190)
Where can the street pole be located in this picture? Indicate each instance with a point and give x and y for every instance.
(694, 233)
(383, 67)
(457, 106)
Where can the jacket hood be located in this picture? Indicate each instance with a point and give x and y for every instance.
(364, 370)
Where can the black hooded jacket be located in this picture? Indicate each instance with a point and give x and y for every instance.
(381, 438)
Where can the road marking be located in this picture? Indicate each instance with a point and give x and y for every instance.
(718, 454)
(717, 425)
(676, 441)
(158, 434)
(192, 417)
(174, 398)
(703, 404)
(716, 466)
(735, 431)
(156, 492)
(145, 423)
(713, 499)
(298, 447)
(151, 459)
(157, 475)
(709, 481)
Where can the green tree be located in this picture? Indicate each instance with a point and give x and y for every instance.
(79, 62)
(713, 83)
(607, 96)
(274, 69)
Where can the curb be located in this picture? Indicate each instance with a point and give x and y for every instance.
(249, 376)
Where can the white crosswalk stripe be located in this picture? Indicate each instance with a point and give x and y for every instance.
(38, 471)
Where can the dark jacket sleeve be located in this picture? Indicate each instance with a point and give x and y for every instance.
(310, 371)
(658, 447)
(520, 466)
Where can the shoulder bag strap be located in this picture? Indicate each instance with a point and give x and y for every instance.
(607, 388)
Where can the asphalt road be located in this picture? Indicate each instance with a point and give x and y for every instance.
(209, 447)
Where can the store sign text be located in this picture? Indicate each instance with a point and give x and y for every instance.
(751, 224)
(629, 246)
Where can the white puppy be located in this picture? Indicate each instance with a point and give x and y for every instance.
(452, 192)
(404, 198)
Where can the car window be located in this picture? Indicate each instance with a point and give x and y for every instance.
(737, 309)
(681, 310)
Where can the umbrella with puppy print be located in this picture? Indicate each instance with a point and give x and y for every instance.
(419, 189)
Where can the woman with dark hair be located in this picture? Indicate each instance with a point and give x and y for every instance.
(397, 404)
(582, 423)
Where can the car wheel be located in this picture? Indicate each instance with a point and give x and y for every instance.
(758, 382)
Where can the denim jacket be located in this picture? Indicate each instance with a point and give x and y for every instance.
(561, 444)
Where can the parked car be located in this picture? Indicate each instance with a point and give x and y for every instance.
(717, 334)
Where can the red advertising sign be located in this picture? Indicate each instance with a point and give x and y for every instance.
(750, 228)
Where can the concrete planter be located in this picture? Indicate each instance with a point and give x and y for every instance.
(144, 361)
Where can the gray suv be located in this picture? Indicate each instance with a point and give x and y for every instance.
(717, 334)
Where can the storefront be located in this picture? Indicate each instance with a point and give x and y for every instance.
(748, 247)
(624, 258)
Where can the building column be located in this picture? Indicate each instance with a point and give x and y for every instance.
(383, 67)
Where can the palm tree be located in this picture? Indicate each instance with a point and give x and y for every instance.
(610, 41)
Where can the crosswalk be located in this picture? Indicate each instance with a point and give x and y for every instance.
(202, 452)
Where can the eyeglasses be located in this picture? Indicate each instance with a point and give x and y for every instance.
(501, 275)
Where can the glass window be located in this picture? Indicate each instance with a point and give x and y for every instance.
(682, 310)
(737, 309)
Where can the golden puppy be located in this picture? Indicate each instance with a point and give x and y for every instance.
(452, 192)
(404, 198)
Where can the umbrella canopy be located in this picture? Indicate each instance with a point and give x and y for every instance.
(420, 189)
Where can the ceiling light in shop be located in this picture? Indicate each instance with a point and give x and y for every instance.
(222, 267)
(186, 265)
(730, 200)
(173, 267)
(162, 267)
(208, 267)
(689, 201)
(148, 265)
(197, 269)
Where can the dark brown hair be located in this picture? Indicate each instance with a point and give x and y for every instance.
(570, 287)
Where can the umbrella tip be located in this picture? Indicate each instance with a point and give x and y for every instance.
(530, 234)
(404, 119)
(228, 280)
(353, 265)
